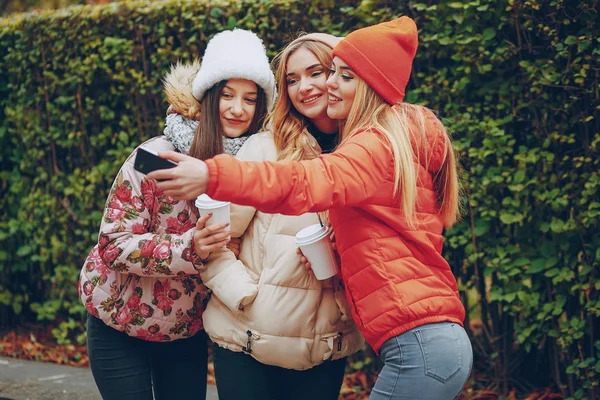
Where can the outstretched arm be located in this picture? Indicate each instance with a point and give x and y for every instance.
(348, 177)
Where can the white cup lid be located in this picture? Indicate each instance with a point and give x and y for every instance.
(204, 201)
(311, 234)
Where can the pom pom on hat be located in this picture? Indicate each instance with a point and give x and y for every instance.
(382, 55)
(234, 54)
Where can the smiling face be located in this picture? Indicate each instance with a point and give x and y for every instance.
(237, 106)
(341, 85)
(306, 84)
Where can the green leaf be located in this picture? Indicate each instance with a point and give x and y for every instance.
(550, 262)
(552, 272)
(231, 22)
(135, 256)
(519, 176)
(537, 265)
(24, 250)
(216, 12)
(557, 225)
(519, 262)
(509, 218)
(481, 228)
(489, 33)
(458, 18)
(570, 40)
(510, 297)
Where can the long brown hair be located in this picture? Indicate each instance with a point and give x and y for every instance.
(285, 122)
(403, 124)
(208, 138)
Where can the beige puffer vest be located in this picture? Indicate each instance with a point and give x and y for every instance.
(266, 304)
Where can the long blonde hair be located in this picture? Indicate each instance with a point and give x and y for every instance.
(285, 122)
(405, 125)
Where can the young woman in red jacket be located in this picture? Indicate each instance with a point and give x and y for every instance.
(390, 187)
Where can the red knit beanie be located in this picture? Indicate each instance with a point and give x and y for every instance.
(382, 56)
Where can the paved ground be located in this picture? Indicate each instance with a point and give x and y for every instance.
(30, 380)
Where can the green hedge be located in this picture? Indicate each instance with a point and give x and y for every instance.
(516, 81)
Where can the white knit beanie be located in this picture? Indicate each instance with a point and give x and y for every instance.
(235, 54)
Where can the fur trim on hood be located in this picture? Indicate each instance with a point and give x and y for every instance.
(178, 90)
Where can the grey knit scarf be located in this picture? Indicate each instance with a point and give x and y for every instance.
(180, 132)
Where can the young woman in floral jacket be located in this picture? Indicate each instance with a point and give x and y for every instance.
(140, 284)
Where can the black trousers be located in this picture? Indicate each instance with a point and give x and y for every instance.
(239, 376)
(127, 368)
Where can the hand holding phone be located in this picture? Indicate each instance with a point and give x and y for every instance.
(147, 161)
(186, 181)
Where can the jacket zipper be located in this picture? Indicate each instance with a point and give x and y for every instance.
(248, 347)
(123, 287)
(329, 339)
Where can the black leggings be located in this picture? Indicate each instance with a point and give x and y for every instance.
(127, 368)
(239, 376)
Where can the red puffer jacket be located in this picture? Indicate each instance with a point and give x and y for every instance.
(396, 278)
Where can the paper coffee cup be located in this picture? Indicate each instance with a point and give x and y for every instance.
(219, 209)
(315, 244)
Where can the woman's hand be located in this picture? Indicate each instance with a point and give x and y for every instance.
(234, 245)
(209, 238)
(186, 181)
(306, 263)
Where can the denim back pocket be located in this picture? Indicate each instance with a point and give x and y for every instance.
(441, 350)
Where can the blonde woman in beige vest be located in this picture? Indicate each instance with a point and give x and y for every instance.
(280, 333)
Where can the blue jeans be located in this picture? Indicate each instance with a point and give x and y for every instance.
(430, 362)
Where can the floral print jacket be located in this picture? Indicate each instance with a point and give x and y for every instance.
(142, 277)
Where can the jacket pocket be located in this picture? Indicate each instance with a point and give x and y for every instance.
(334, 343)
(341, 301)
(342, 344)
(125, 290)
(441, 350)
(246, 340)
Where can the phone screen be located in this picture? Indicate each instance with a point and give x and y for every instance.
(147, 161)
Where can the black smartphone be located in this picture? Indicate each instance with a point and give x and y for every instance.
(147, 161)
